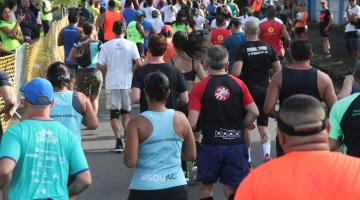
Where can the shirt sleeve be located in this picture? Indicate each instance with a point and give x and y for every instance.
(10, 146)
(135, 53)
(335, 120)
(196, 95)
(239, 55)
(247, 98)
(77, 159)
(102, 56)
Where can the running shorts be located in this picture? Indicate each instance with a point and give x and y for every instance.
(118, 99)
(90, 81)
(173, 193)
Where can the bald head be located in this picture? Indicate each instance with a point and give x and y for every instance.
(251, 28)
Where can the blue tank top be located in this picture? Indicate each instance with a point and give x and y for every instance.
(64, 112)
(94, 53)
(159, 163)
(70, 37)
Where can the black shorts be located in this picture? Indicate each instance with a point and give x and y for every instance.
(324, 33)
(173, 193)
(259, 93)
(299, 30)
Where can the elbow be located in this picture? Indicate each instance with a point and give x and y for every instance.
(134, 98)
(129, 163)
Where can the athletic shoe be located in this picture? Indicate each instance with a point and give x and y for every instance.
(267, 158)
(119, 148)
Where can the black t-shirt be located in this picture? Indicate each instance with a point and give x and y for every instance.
(257, 58)
(324, 18)
(177, 82)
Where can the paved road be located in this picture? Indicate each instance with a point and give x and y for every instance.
(110, 176)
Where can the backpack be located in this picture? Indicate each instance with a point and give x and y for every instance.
(82, 52)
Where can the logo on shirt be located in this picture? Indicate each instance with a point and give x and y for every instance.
(220, 38)
(222, 93)
(270, 30)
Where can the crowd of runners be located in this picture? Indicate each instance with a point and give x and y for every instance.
(205, 74)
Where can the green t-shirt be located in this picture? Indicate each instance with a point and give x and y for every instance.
(46, 153)
(7, 42)
(233, 9)
(133, 34)
(179, 27)
(336, 114)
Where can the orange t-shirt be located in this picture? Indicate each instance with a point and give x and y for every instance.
(110, 17)
(307, 175)
(256, 6)
(302, 20)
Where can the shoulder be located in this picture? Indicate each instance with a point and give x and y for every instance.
(179, 117)
(323, 77)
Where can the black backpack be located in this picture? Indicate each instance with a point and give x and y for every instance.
(83, 54)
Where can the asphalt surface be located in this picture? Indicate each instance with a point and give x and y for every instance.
(111, 177)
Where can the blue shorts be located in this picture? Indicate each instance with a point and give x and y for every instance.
(227, 162)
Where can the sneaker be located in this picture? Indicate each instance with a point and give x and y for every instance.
(119, 148)
(267, 158)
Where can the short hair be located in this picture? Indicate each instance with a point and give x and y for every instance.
(251, 27)
(73, 17)
(270, 12)
(180, 40)
(88, 28)
(301, 50)
(217, 57)
(157, 45)
(11, 4)
(157, 85)
(58, 74)
(302, 110)
(235, 22)
(128, 3)
(111, 4)
(118, 27)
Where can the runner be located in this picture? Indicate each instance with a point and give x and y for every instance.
(221, 99)
(252, 63)
(301, 22)
(136, 33)
(108, 19)
(326, 19)
(159, 129)
(116, 63)
(69, 36)
(169, 12)
(218, 35)
(345, 121)
(71, 108)
(39, 141)
(8, 94)
(236, 39)
(274, 33)
(178, 88)
(298, 78)
(351, 37)
(303, 131)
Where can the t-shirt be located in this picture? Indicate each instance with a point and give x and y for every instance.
(345, 118)
(177, 82)
(301, 19)
(128, 14)
(147, 28)
(304, 175)
(156, 23)
(7, 42)
(245, 19)
(214, 25)
(87, 14)
(257, 58)
(199, 22)
(232, 44)
(355, 10)
(118, 55)
(221, 99)
(170, 12)
(325, 16)
(45, 153)
(270, 33)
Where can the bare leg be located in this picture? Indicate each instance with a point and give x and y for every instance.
(115, 127)
(206, 190)
(265, 141)
(228, 191)
(125, 120)
(94, 100)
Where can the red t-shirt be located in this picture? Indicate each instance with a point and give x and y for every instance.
(219, 35)
(270, 33)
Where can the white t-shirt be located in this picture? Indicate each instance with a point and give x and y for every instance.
(199, 22)
(178, 7)
(118, 55)
(170, 12)
(156, 23)
(355, 10)
(213, 24)
(245, 19)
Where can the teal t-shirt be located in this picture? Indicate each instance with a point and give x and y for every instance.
(46, 153)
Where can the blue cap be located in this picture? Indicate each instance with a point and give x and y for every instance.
(38, 91)
(138, 13)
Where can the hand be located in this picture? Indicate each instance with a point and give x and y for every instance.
(20, 17)
(251, 126)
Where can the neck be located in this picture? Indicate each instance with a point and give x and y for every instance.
(237, 30)
(217, 72)
(157, 59)
(119, 36)
(157, 106)
(180, 52)
(252, 38)
(58, 89)
(37, 113)
(318, 142)
(300, 64)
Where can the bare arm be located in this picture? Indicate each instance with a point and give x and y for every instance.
(181, 125)
(102, 68)
(327, 89)
(330, 21)
(184, 97)
(193, 118)
(60, 41)
(138, 63)
(237, 67)
(81, 183)
(285, 36)
(346, 87)
(334, 144)
(277, 66)
(6, 168)
(200, 72)
(91, 120)
(8, 93)
(140, 29)
(131, 144)
(135, 95)
(272, 95)
(251, 115)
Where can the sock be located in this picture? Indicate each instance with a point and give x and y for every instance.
(266, 148)
(249, 150)
(231, 197)
(207, 198)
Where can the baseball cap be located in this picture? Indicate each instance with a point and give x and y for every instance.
(38, 91)
(138, 13)
(167, 28)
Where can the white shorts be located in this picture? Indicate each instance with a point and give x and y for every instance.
(118, 99)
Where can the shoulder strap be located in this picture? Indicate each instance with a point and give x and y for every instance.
(172, 61)
(192, 63)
